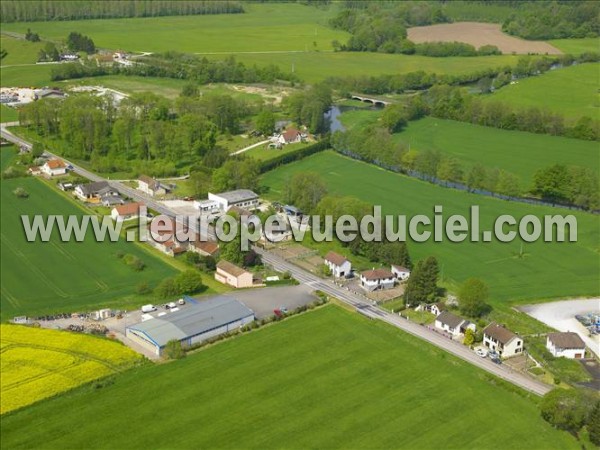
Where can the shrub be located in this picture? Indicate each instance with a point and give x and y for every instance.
(143, 288)
(173, 350)
(21, 193)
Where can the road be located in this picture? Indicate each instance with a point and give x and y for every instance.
(250, 147)
(362, 305)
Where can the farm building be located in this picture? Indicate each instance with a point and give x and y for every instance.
(151, 186)
(191, 325)
(401, 273)
(338, 264)
(568, 345)
(243, 198)
(502, 340)
(377, 279)
(126, 212)
(54, 167)
(228, 273)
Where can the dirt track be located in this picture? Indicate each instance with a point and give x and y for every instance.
(478, 34)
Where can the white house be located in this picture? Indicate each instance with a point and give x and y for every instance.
(401, 273)
(436, 308)
(568, 345)
(453, 324)
(289, 136)
(228, 273)
(126, 211)
(54, 167)
(338, 265)
(243, 198)
(502, 341)
(151, 186)
(95, 191)
(375, 279)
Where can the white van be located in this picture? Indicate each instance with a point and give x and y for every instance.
(148, 308)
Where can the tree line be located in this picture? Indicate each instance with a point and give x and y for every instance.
(181, 67)
(40, 10)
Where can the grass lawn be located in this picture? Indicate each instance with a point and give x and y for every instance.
(8, 114)
(516, 151)
(572, 91)
(316, 66)
(264, 27)
(19, 51)
(40, 278)
(545, 270)
(326, 379)
(577, 46)
(263, 153)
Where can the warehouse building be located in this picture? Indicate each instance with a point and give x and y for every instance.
(243, 198)
(192, 324)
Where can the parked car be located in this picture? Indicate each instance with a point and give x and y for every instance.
(148, 308)
(283, 309)
(171, 305)
(181, 301)
(481, 352)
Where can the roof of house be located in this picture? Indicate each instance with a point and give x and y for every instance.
(128, 209)
(112, 200)
(290, 134)
(238, 195)
(335, 258)
(377, 274)
(498, 332)
(56, 164)
(441, 306)
(151, 182)
(447, 318)
(93, 187)
(566, 340)
(162, 225)
(193, 320)
(231, 268)
(400, 268)
(206, 246)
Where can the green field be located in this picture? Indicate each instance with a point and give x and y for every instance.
(8, 114)
(19, 51)
(264, 27)
(545, 270)
(571, 92)
(577, 46)
(26, 76)
(44, 277)
(325, 379)
(316, 66)
(515, 151)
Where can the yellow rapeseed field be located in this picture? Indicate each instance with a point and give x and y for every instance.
(37, 363)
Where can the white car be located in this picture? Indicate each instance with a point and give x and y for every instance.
(481, 352)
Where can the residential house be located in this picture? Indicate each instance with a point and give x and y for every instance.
(339, 265)
(502, 340)
(111, 200)
(95, 191)
(568, 345)
(126, 212)
(453, 324)
(228, 273)
(375, 279)
(54, 167)
(289, 136)
(436, 308)
(243, 198)
(151, 186)
(204, 248)
(170, 237)
(401, 273)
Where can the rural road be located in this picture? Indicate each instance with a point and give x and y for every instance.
(362, 306)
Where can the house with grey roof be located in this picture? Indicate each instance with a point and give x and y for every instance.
(192, 324)
(151, 186)
(453, 324)
(502, 341)
(95, 191)
(567, 345)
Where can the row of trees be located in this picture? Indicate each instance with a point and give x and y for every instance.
(568, 184)
(39, 10)
(181, 67)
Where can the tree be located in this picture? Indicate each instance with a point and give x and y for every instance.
(422, 284)
(566, 409)
(236, 174)
(472, 295)
(469, 337)
(477, 177)
(593, 424)
(190, 90)
(174, 350)
(189, 282)
(305, 190)
(552, 183)
(265, 122)
(508, 184)
(394, 118)
(167, 288)
(37, 150)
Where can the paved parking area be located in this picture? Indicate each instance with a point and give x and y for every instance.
(264, 300)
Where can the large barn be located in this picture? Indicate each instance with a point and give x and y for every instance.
(192, 324)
